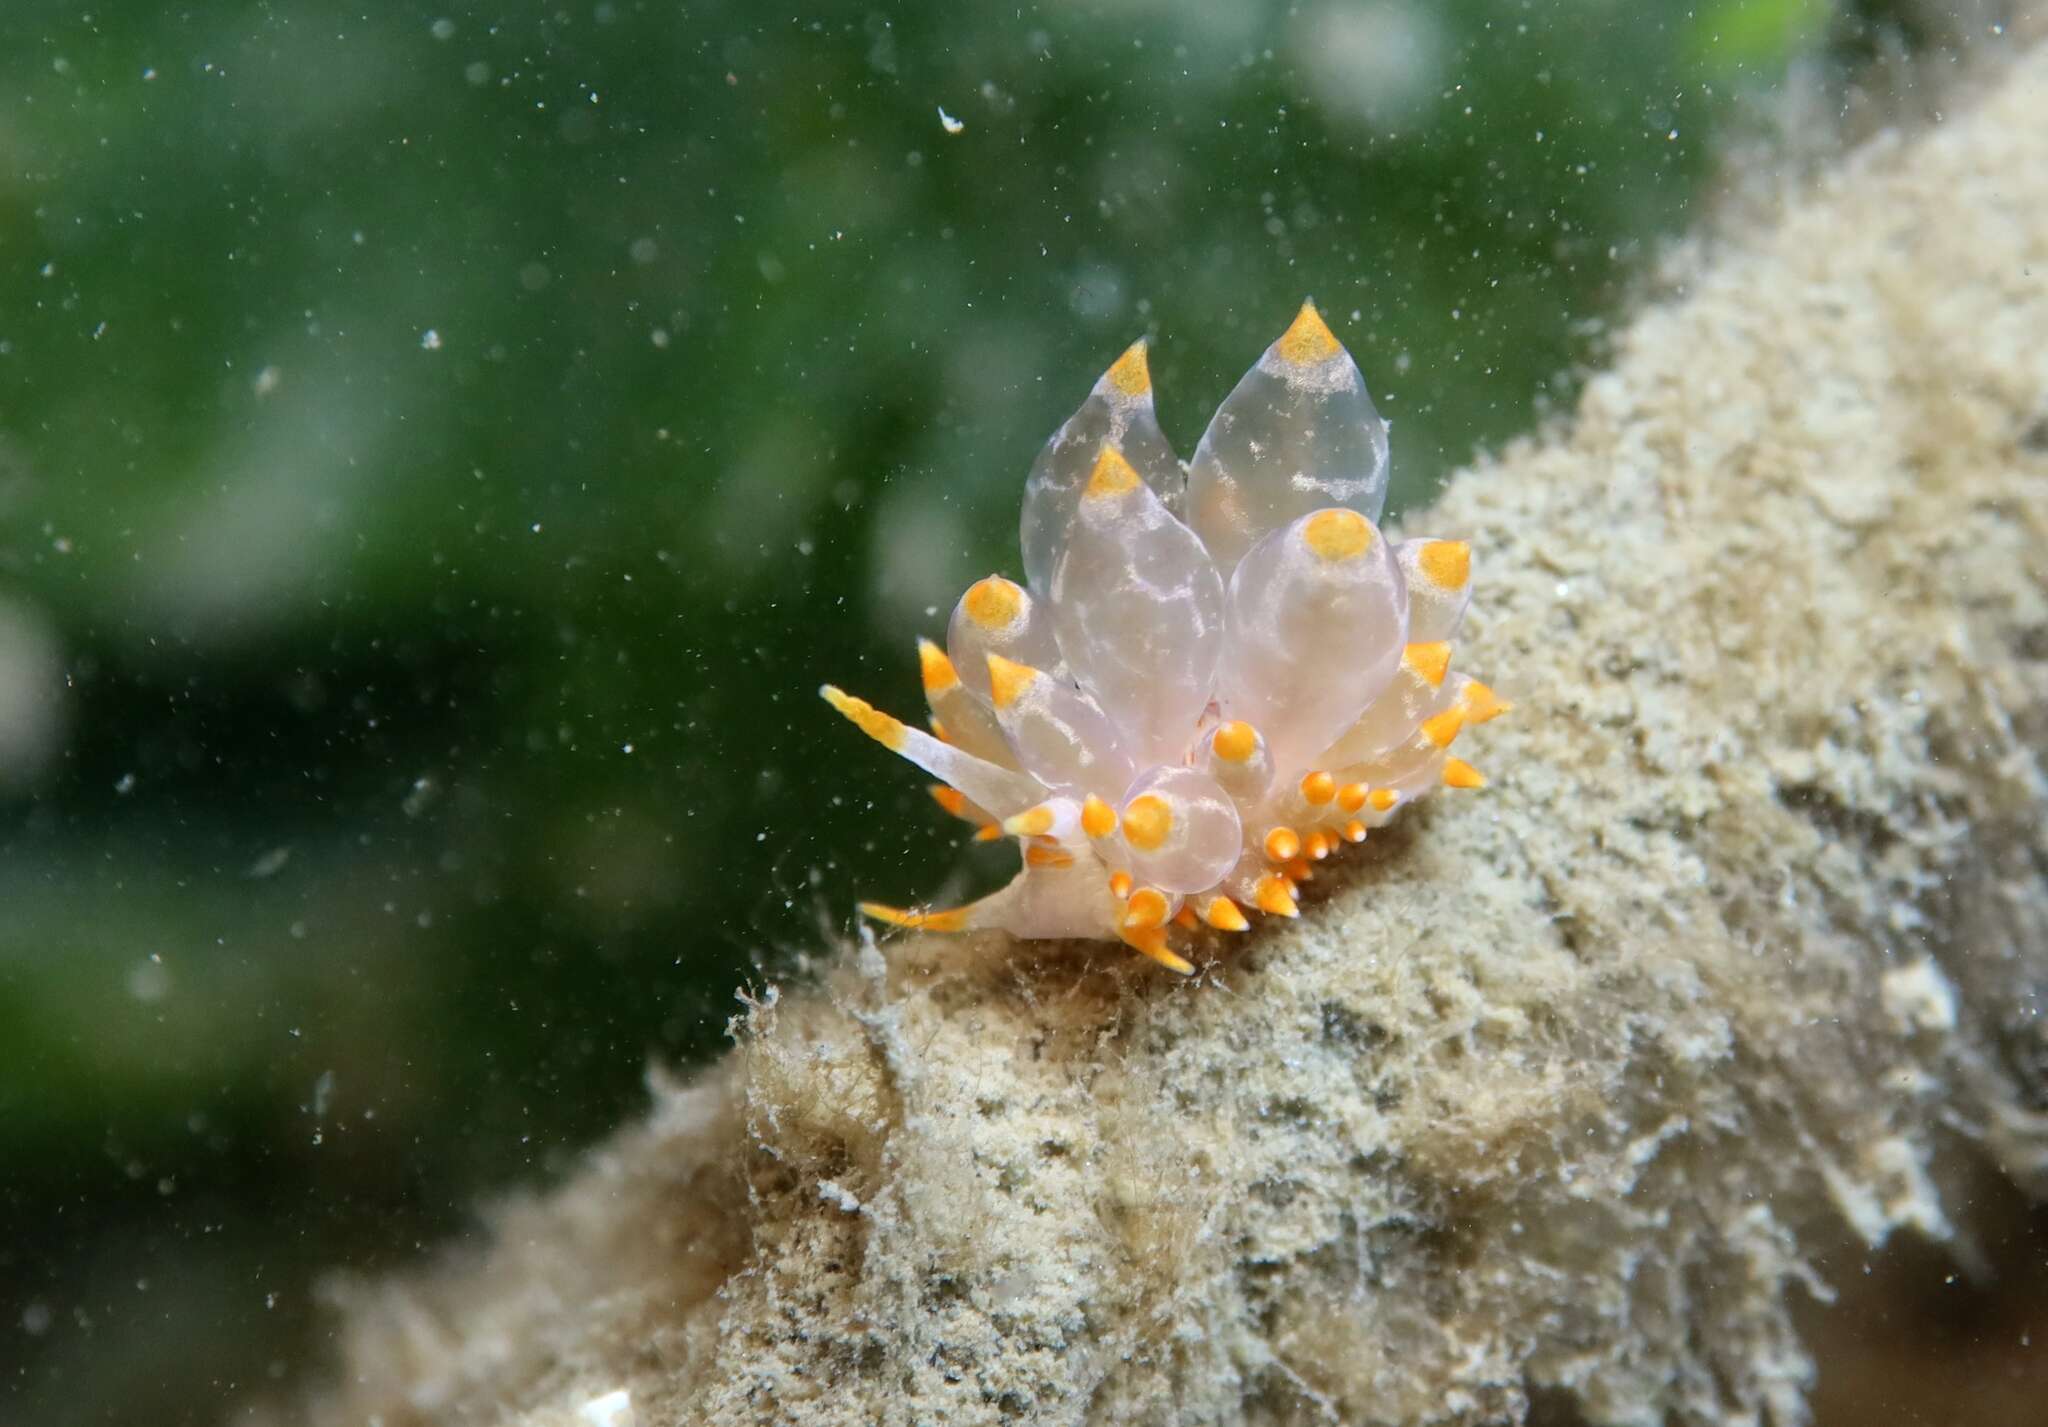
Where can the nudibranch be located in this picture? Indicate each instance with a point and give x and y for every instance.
(1213, 676)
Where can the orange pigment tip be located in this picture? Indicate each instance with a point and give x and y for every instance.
(1007, 680)
(987, 832)
(1482, 703)
(1447, 563)
(1460, 774)
(1337, 535)
(1152, 941)
(937, 670)
(1032, 822)
(1351, 797)
(1186, 918)
(1148, 822)
(1273, 897)
(1283, 843)
(1300, 870)
(1441, 729)
(1431, 661)
(1038, 855)
(1113, 476)
(1146, 908)
(1235, 742)
(1354, 831)
(1119, 885)
(1317, 846)
(951, 799)
(1319, 787)
(865, 716)
(1098, 819)
(1130, 374)
(1224, 915)
(994, 602)
(1383, 798)
(1308, 338)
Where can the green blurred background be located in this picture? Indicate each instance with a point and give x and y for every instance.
(442, 449)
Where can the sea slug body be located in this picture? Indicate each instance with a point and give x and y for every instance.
(1213, 676)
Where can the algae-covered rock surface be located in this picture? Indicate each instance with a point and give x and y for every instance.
(1558, 1096)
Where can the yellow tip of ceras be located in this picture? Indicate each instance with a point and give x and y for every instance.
(936, 669)
(1130, 375)
(1482, 703)
(1308, 339)
(1152, 942)
(1224, 915)
(1146, 908)
(1441, 729)
(1235, 741)
(1460, 774)
(1336, 535)
(1113, 476)
(1098, 819)
(865, 716)
(1007, 680)
(1148, 822)
(1431, 661)
(1447, 563)
(993, 602)
(1275, 898)
(1032, 822)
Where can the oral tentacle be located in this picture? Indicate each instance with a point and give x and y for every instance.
(1000, 790)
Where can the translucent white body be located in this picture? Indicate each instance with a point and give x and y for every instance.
(1177, 719)
(1137, 607)
(1318, 618)
(1058, 734)
(1117, 413)
(1181, 830)
(1298, 434)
